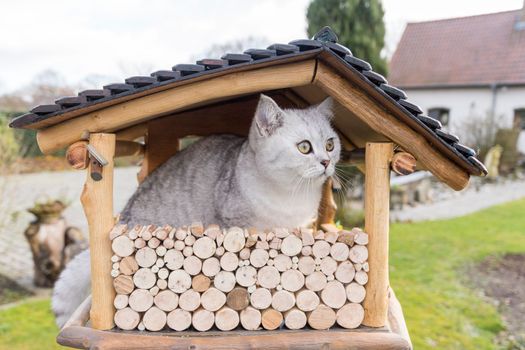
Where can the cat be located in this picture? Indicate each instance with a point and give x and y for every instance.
(273, 178)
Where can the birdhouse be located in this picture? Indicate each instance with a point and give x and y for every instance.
(379, 128)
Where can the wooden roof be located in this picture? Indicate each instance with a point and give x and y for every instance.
(302, 72)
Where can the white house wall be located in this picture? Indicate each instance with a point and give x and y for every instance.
(468, 102)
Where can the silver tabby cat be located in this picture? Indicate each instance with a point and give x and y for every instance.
(273, 178)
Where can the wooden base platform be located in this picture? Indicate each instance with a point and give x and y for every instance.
(363, 338)
(76, 333)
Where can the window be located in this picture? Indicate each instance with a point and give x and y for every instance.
(519, 118)
(441, 114)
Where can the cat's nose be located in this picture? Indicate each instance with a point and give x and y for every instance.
(325, 163)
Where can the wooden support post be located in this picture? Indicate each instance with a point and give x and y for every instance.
(97, 200)
(377, 193)
(327, 207)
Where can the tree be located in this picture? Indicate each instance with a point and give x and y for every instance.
(358, 24)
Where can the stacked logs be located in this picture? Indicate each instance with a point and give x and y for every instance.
(200, 277)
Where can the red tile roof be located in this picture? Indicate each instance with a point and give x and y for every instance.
(476, 50)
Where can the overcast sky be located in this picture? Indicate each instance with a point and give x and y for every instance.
(115, 38)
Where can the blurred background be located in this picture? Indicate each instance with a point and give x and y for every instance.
(457, 258)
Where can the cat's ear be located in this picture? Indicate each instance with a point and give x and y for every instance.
(268, 116)
(326, 108)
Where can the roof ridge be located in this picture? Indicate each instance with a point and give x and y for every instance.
(464, 17)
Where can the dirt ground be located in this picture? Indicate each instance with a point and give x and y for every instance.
(502, 280)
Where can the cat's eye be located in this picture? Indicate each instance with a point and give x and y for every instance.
(304, 147)
(330, 145)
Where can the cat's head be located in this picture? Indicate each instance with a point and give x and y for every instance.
(294, 144)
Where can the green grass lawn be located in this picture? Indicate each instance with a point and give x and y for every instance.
(428, 263)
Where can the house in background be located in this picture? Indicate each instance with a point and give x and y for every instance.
(466, 67)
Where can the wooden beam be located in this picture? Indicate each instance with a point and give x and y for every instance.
(381, 121)
(132, 133)
(377, 208)
(353, 157)
(128, 148)
(148, 107)
(327, 207)
(97, 201)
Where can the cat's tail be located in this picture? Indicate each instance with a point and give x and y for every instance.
(71, 288)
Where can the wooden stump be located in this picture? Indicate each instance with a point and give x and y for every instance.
(127, 319)
(202, 320)
(213, 299)
(350, 316)
(166, 300)
(226, 319)
(322, 317)
(295, 319)
(179, 320)
(261, 298)
(271, 319)
(250, 318)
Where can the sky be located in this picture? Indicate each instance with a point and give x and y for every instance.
(107, 40)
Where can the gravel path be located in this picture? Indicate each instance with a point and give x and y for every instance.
(465, 202)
